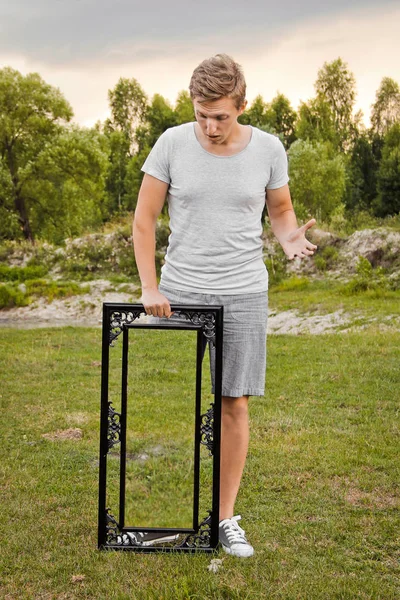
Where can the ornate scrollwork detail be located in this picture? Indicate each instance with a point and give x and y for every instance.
(114, 427)
(206, 429)
(112, 528)
(205, 320)
(201, 539)
(118, 320)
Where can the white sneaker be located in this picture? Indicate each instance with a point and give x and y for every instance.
(233, 538)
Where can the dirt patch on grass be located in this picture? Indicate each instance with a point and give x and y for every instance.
(73, 433)
(377, 499)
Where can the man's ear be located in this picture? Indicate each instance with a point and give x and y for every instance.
(243, 107)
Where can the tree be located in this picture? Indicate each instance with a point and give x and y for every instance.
(386, 109)
(31, 117)
(388, 201)
(281, 117)
(317, 179)
(316, 122)
(129, 105)
(256, 115)
(67, 183)
(159, 117)
(337, 85)
(362, 170)
(184, 112)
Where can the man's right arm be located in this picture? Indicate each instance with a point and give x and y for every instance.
(151, 199)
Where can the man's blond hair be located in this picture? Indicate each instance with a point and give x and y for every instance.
(217, 77)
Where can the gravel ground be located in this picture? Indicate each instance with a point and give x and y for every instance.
(86, 311)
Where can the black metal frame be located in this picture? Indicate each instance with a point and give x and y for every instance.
(203, 536)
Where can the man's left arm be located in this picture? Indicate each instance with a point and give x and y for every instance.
(284, 225)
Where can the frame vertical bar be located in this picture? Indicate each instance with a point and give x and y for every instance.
(124, 402)
(197, 435)
(214, 534)
(102, 524)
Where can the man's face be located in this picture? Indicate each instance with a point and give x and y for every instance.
(217, 118)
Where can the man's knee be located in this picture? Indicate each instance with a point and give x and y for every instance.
(235, 408)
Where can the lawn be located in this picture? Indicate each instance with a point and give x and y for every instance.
(320, 495)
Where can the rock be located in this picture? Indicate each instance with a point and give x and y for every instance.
(380, 246)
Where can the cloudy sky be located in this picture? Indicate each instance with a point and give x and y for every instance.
(84, 46)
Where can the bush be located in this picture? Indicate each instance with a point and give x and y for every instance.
(54, 289)
(320, 263)
(293, 284)
(10, 297)
(21, 273)
(367, 278)
(326, 258)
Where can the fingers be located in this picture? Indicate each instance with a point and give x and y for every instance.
(155, 304)
(311, 246)
(159, 310)
(302, 253)
(309, 224)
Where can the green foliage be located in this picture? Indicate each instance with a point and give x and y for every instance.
(128, 105)
(362, 169)
(316, 122)
(317, 179)
(293, 284)
(162, 233)
(367, 278)
(256, 114)
(277, 117)
(31, 117)
(184, 112)
(51, 176)
(54, 289)
(326, 258)
(386, 109)
(21, 273)
(159, 116)
(24, 294)
(124, 130)
(388, 201)
(11, 296)
(134, 177)
(336, 85)
(282, 118)
(68, 180)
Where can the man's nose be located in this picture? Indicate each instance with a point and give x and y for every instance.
(210, 127)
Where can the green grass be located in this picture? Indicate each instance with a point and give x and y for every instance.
(319, 498)
(323, 297)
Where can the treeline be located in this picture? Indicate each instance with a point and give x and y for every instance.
(58, 180)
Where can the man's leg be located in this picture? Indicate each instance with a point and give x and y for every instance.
(234, 444)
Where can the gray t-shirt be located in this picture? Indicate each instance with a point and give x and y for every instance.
(215, 205)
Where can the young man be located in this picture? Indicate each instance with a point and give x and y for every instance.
(217, 175)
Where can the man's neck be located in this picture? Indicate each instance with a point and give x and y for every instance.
(236, 142)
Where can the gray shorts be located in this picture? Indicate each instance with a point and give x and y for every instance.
(244, 344)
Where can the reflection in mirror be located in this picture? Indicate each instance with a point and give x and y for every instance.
(114, 396)
(160, 431)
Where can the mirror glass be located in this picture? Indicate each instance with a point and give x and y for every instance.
(159, 482)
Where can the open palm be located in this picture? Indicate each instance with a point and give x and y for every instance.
(296, 244)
